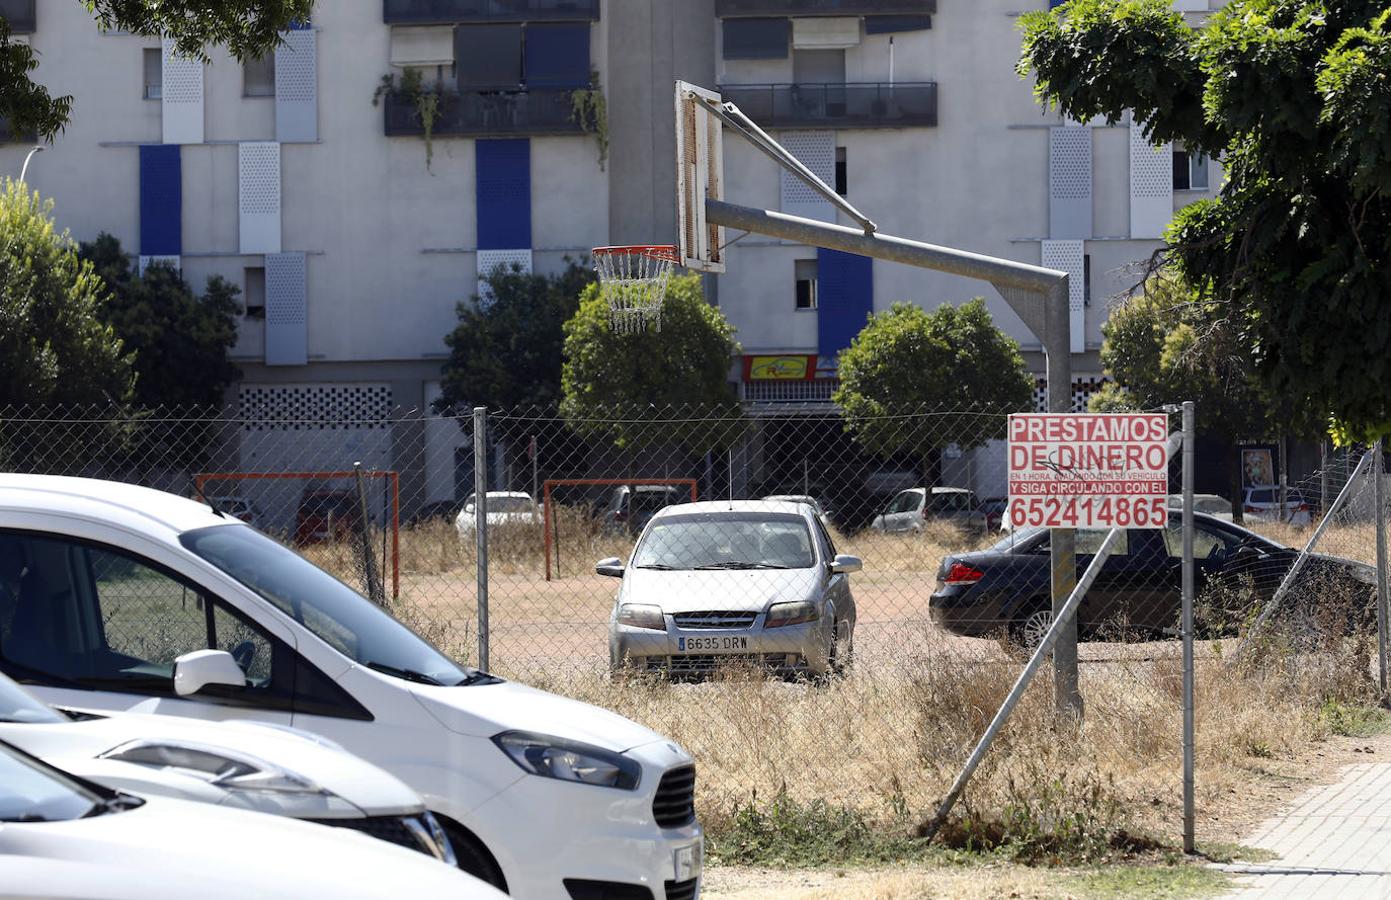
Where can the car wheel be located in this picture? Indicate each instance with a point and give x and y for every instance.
(1029, 631)
(474, 858)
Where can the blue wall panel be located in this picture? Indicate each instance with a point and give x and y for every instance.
(503, 180)
(161, 200)
(844, 299)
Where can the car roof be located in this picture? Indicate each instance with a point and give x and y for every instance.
(92, 498)
(739, 506)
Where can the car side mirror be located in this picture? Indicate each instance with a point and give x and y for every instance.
(195, 671)
(611, 567)
(844, 564)
(468, 507)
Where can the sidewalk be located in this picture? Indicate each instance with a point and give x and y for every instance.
(1335, 842)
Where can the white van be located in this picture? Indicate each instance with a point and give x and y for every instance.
(111, 597)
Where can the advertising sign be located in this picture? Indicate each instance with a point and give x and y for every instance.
(1093, 470)
(789, 367)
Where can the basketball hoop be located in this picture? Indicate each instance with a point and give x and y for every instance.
(633, 281)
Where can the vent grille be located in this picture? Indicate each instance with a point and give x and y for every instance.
(674, 805)
(715, 619)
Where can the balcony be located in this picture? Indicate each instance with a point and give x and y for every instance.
(486, 114)
(731, 9)
(445, 12)
(20, 14)
(868, 105)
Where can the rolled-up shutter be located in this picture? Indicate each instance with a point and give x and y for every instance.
(287, 333)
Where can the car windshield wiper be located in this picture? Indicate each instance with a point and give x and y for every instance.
(476, 676)
(742, 565)
(659, 566)
(406, 674)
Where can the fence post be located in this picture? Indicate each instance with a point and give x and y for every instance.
(1189, 816)
(375, 590)
(480, 530)
(1379, 512)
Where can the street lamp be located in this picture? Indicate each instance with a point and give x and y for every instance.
(24, 169)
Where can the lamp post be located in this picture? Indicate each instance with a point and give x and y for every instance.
(24, 169)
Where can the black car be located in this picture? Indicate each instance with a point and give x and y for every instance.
(1139, 588)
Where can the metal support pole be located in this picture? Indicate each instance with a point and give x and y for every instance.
(1068, 613)
(1062, 543)
(480, 525)
(1189, 815)
(1379, 512)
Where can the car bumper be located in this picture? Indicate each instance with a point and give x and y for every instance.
(968, 616)
(789, 651)
(593, 835)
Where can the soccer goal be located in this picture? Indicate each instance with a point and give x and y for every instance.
(616, 512)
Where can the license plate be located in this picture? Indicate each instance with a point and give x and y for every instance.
(725, 644)
(687, 861)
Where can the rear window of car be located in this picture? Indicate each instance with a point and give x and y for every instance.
(509, 504)
(1263, 496)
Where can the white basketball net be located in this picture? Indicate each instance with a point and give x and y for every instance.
(633, 281)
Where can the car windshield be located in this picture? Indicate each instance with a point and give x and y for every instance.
(730, 540)
(330, 609)
(1214, 505)
(33, 792)
(16, 705)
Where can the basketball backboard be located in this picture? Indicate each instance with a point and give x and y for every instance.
(699, 176)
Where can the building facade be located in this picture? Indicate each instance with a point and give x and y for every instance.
(298, 178)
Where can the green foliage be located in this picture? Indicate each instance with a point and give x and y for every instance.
(247, 28)
(506, 354)
(908, 358)
(180, 341)
(590, 111)
(54, 346)
(425, 101)
(607, 375)
(1292, 96)
(788, 833)
(1354, 720)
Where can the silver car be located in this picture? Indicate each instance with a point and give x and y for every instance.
(733, 582)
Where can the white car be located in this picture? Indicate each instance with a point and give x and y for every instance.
(1212, 504)
(504, 508)
(237, 764)
(62, 836)
(1261, 503)
(909, 511)
(130, 599)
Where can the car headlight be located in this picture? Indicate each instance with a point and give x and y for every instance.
(642, 615)
(218, 766)
(553, 757)
(780, 614)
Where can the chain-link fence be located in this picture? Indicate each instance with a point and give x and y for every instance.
(845, 644)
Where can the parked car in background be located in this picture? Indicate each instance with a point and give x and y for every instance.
(632, 506)
(1212, 504)
(1262, 504)
(504, 508)
(910, 510)
(1007, 587)
(64, 836)
(327, 514)
(821, 512)
(436, 511)
(245, 765)
(993, 509)
(240, 507)
(142, 601)
(741, 581)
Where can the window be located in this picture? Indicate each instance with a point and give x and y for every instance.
(1190, 170)
(1208, 543)
(756, 38)
(258, 77)
(154, 73)
(842, 175)
(805, 272)
(1087, 279)
(254, 291)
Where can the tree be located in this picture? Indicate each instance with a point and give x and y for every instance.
(54, 345)
(506, 353)
(953, 360)
(247, 28)
(180, 341)
(610, 381)
(1295, 97)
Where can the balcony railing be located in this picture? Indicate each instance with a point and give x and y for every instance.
(729, 9)
(431, 12)
(20, 14)
(493, 113)
(870, 105)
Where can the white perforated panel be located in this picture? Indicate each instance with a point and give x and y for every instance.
(1151, 186)
(1083, 386)
(1190, 5)
(1069, 257)
(490, 260)
(258, 196)
(287, 335)
(1070, 183)
(181, 97)
(313, 407)
(296, 88)
(817, 151)
(175, 262)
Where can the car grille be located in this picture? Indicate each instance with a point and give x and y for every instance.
(392, 829)
(681, 890)
(674, 805)
(709, 663)
(715, 619)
